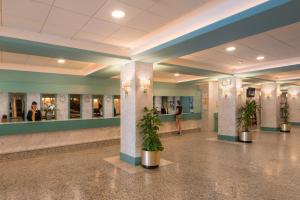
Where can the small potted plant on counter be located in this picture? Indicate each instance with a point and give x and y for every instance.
(284, 117)
(246, 114)
(152, 146)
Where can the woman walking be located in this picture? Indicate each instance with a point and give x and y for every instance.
(178, 116)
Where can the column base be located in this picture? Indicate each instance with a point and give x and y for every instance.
(130, 159)
(228, 138)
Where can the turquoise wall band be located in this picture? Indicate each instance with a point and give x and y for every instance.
(131, 160)
(294, 123)
(51, 126)
(184, 116)
(271, 129)
(228, 138)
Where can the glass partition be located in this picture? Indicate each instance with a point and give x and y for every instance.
(17, 107)
(168, 104)
(48, 106)
(97, 106)
(75, 106)
(117, 105)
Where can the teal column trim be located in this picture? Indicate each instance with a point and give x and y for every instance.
(130, 159)
(295, 123)
(271, 129)
(228, 138)
(185, 116)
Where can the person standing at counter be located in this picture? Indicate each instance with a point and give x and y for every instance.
(178, 116)
(34, 114)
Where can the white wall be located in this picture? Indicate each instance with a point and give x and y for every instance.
(62, 107)
(270, 105)
(294, 103)
(86, 106)
(3, 104)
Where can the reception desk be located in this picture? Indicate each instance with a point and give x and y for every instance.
(24, 136)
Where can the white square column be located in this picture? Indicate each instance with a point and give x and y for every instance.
(270, 111)
(134, 97)
(228, 93)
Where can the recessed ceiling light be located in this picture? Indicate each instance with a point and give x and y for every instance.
(61, 61)
(118, 14)
(176, 74)
(260, 57)
(230, 49)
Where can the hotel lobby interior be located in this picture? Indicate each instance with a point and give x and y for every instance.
(149, 99)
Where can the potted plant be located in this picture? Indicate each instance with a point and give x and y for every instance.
(151, 147)
(246, 114)
(50, 111)
(285, 117)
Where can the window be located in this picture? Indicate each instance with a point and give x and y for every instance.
(97, 106)
(48, 106)
(117, 105)
(75, 106)
(17, 107)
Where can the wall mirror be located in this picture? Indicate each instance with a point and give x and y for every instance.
(117, 105)
(97, 106)
(48, 106)
(75, 106)
(168, 104)
(17, 107)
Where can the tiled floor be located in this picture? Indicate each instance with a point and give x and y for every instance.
(202, 168)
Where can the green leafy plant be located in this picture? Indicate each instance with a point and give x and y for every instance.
(149, 125)
(285, 113)
(246, 113)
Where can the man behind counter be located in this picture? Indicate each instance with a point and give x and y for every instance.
(34, 114)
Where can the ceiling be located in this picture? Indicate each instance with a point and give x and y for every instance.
(278, 44)
(91, 21)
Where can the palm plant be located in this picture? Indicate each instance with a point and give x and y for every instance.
(149, 125)
(246, 113)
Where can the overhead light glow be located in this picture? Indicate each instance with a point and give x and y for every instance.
(118, 14)
(230, 49)
(260, 57)
(61, 61)
(176, 74)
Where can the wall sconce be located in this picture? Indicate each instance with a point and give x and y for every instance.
(240, 91)
(268, 95)
(126, 86)
(226, 85)
(145, 85)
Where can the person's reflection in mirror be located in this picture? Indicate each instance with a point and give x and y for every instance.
(178, 117)
(34, 114)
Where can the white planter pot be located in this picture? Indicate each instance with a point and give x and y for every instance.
(284, 128)
(245, 136)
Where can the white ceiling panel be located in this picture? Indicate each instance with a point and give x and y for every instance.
(67, 19)
(37, 60)
(142, 4)
(63, 31)
(21, 23)
(147, 21)
(116, 42)
(100, 27)
(111, 5)
(127, 34)
(26, 9)
(91, 37)
(175, 8)
(45, 1)
(89, 7)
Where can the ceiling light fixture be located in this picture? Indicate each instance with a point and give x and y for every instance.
(176, 74)
(118, 14)
(61, 61)
(260, 57)
(230, 49)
